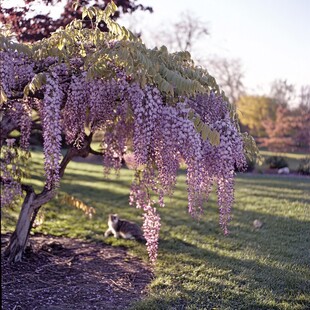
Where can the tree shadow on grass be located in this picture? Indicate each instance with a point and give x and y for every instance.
(229, 282)
(264, 191)
(279, 268)
(284, 239)
(289, 234)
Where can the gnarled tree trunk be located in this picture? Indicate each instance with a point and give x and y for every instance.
(33, 202)
(31, 205)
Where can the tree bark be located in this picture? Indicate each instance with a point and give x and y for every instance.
(31, 205)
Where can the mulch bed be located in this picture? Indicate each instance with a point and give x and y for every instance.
(65, 273)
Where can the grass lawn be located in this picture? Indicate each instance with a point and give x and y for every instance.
(198, 267)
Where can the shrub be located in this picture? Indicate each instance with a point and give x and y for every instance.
(276, 162)
(304, 166)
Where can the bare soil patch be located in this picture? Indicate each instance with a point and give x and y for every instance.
(65, 273)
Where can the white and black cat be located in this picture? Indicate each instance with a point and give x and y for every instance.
(124, 229)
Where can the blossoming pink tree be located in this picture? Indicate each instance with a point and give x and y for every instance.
(80, 81)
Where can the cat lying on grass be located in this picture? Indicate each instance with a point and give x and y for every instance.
(123, 229)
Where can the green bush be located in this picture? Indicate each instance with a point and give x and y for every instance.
(304, 166)
(276, 162)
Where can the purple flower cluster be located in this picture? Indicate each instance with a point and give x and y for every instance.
(162, 143)
(219, 162)
(10, 186)
(177, 138)
(164, 134)
(115, 138)
(151, 228)
(16, 70)
(20, 110)
(109, 113)
(145, 180)
(23, 70)
(6, 72)
(75, 111)
(25, 123)
(102, 101)
(147, 108)
(51, 123)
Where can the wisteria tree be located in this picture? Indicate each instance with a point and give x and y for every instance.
(159, 105)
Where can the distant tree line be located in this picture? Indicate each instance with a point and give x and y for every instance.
(274, 121)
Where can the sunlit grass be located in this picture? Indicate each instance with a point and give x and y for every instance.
(198, 267)
(285, 154)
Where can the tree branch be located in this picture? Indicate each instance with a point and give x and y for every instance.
(91, 151)
(20, 95)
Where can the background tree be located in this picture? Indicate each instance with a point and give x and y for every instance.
(30, 26)
(301, 135)
(302, 113)
(253, 111)
(182, 35)
(304, 96)
(229, 75)
(81, 81)
(185, 35)
(289, 130)
(282, 92)
(280, 130)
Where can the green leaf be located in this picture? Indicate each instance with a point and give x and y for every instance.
(114, 6)
(110, 9)
(83, 52)
(60, 45)
(197, 120)
(214, 138)
(191, 114)
(78, 24)
(84, 12)
(35, 84)
(3, 97)
(204, 133)
(75, 5)
(91, 13)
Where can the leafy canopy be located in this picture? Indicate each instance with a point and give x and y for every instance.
(173, 74)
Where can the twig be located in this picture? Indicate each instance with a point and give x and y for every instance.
(123, 288)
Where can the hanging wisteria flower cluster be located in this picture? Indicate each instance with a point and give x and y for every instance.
(11, 165)
(16, 70)
(131, 117)
(50, 111)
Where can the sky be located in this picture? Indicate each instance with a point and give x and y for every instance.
(270, 37)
